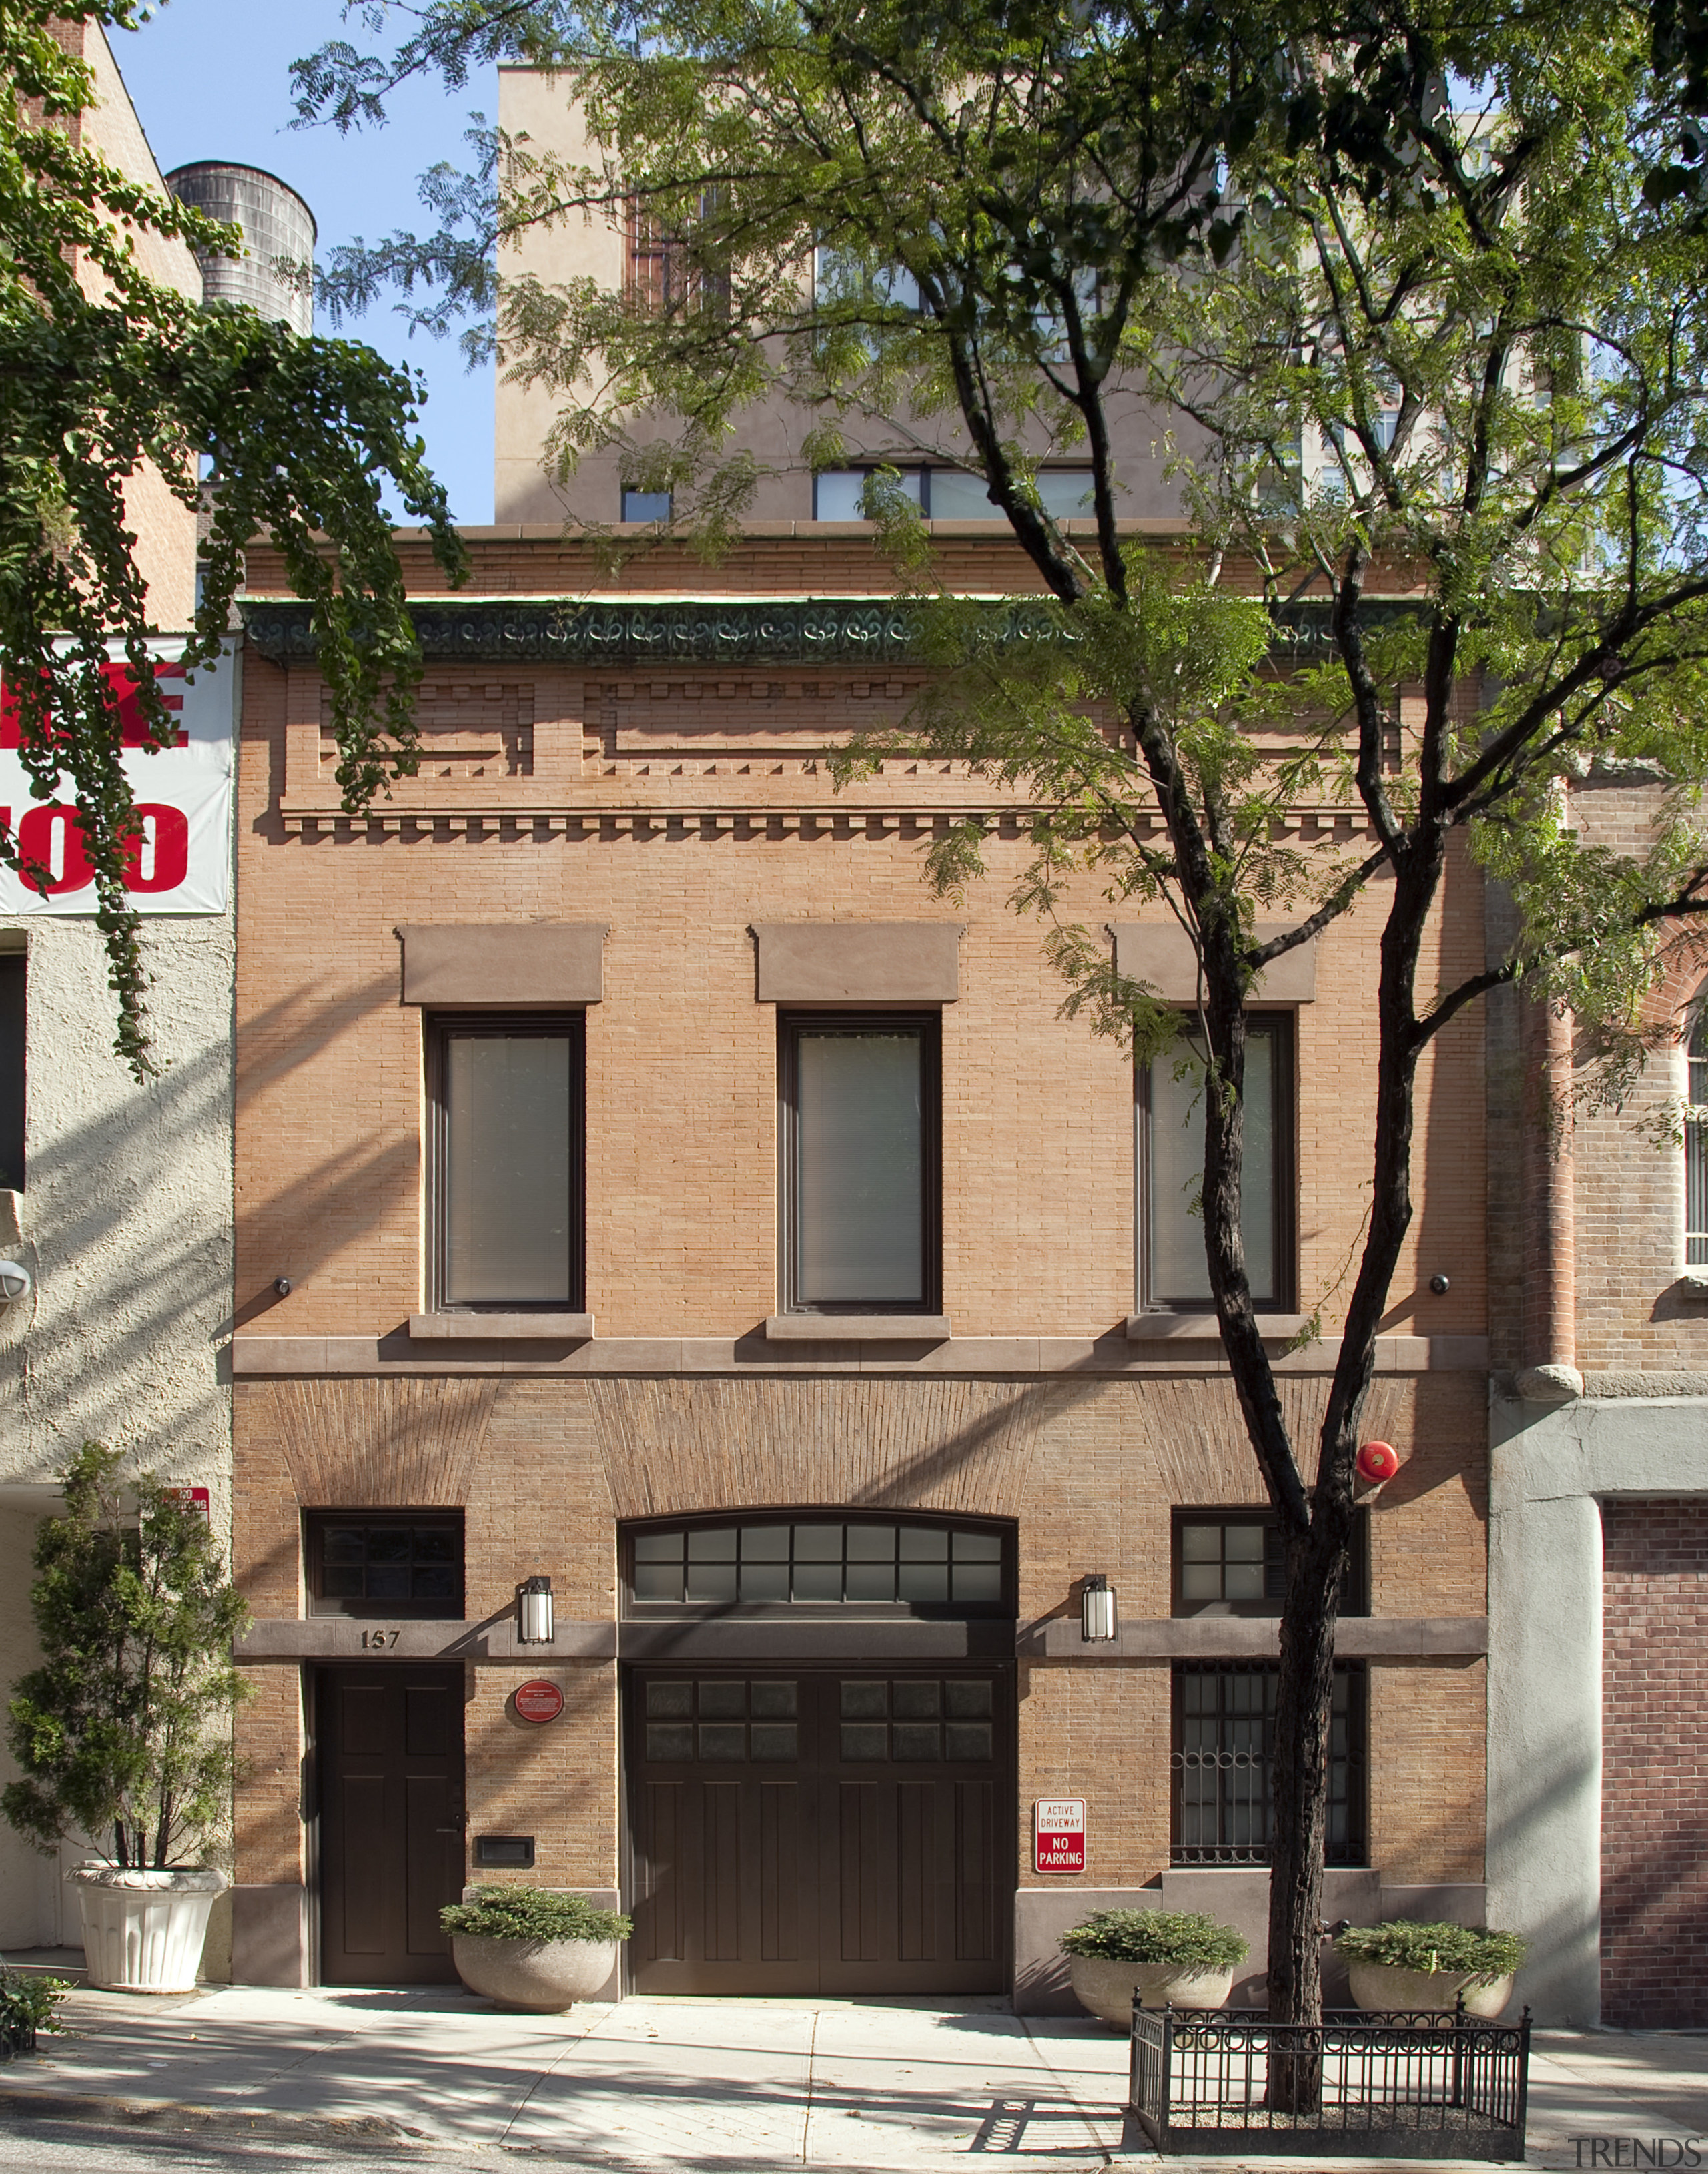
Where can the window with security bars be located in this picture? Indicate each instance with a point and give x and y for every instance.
(832, 1563)
(665, 274)
(402, 1565)
(1696, 1150)
(1224, 1752)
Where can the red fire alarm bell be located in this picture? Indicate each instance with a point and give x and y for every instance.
(1377, 1461)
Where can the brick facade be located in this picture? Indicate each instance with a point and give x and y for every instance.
(679, 811)
(1655, 1766)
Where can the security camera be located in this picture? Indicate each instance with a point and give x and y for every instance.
(15, 1281)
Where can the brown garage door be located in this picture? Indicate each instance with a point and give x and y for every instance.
(388, 1745)
(803, 1831)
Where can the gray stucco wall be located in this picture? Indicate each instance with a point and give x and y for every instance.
(125, 1223)
(1551, 1470)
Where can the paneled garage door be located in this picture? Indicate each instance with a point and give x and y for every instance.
(821, 1831)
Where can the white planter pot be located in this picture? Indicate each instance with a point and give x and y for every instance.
(142, 1931)
(1107, 1987)
(1380, 1989)
(538, 1977)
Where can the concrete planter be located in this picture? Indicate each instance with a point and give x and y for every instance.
(1106, 1987)
(537, 1977)
(142, 1931)
(1381, 1990)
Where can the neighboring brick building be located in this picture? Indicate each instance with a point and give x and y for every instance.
(1598, 1573)
(623, 873)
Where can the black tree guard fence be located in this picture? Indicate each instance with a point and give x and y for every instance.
(1391, 2086)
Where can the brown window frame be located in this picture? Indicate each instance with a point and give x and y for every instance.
(316, 1602)
(1355, 1594)
(1282, 1027)
(440, 1026)
(928, 1026)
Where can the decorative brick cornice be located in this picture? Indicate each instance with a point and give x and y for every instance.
(627, 634)
(622, 635)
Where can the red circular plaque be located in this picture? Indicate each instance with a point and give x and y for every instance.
(538, 1700)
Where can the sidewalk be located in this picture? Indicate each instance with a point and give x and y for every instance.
(722, 2085)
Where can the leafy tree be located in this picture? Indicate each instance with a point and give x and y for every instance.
(1397, 281)
(124, 1730)
(102, 370)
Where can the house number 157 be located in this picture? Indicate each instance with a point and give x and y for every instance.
(379, 1640)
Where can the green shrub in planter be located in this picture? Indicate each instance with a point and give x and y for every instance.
(1174, 1939)
(532, 1913)
(1429, 1949)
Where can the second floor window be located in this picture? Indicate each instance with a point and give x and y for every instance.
(860, 1153)
(1696, 1151)
(507, 1178)
(1172, 1268)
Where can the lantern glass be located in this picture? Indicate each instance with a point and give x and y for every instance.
(534, 1612)
(1097, 1621)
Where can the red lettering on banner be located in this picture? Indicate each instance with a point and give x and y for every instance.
(121, 683)
(35, 848)
(169, 861)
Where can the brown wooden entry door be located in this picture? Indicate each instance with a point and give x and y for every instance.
(388, 1744)
(821, 1831)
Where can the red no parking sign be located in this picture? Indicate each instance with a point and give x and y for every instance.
(1058, 1834)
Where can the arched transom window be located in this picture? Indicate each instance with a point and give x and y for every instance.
(820, 1561)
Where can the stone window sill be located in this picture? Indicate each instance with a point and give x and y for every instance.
(1205, 1329)
(858, 1329)
(502, 1327)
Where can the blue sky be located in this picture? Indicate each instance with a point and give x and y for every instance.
(210, 80)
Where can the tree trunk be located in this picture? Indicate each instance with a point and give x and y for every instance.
(1299, 1784)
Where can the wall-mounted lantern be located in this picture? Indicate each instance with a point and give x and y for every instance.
(534, 1612)
(1096, 1610)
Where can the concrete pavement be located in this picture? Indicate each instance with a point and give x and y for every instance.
(679, 2086)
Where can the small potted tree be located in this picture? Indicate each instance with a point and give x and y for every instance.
(122, 1736)
(1166, 1957)
(1399, 1968)
(533, 1949)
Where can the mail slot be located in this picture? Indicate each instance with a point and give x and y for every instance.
(512, 1850)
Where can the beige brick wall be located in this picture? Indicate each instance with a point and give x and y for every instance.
(1088, 1471)
(596, 819)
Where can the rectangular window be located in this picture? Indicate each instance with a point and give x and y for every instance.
(1232, 1562)
(839, 494)
(841, 276)
(12, 1034)
(404, 1563)
(860, 1164)
(508, 1212)
(950, 494)
(1223, 1753)
(646, 505)
(1172, 1271)
(1695, 1151)
(665, 273)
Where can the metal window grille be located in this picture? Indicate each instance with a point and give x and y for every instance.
(1222, 1762)
(665, 274)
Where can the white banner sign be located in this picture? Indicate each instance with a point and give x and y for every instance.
(180, 862)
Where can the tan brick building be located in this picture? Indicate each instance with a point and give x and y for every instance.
(823, 1347)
